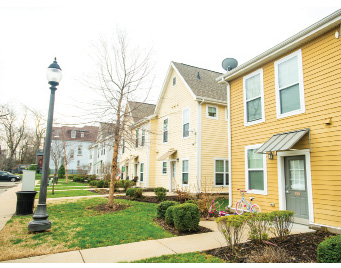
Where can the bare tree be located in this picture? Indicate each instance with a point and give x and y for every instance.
(57, 150)
(123, 74)
(40, 128)
(14, 131)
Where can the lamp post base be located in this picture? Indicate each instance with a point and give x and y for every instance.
(39, 225)
(40, 222)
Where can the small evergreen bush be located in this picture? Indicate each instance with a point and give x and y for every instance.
(329, 251)
(130, 192)
(186, 217)
(162, 208)
(169, 215)
(160, 192)
(191, 202)
(61, 171)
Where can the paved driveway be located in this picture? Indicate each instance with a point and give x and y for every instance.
(5, 185)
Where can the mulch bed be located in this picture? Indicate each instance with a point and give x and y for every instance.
(106, 209)
(174, 231)
(298, 248)
(147, 199)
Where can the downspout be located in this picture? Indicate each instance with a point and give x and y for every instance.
(229, 139)
(198, 140)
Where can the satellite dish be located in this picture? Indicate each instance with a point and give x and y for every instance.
(229, 64)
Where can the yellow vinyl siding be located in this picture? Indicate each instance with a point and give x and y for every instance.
(174, 101)
(214, 144)
(321, 77)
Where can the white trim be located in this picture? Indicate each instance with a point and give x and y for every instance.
(297, 54)
(229, 140)
(189, 122)
(184, 159)
(139, 168)
(264, 169)
(148, 154)
(163, 121)
(213, 106)
(199, 107)
(214, 171)
(171, 173)
(226, 115)
(262, 119)
(166, 168)
(281, 179)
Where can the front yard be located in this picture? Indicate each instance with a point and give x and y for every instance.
(78, 225)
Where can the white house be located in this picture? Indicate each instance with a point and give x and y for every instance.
(76, 142)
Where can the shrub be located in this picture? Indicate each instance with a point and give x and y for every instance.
(191, 202)
(329, 250)
(162, 208)
(70, 177)
(186, 217)
(281, 222)
(232, 228)
(169, 215)
(93, 183)
(134, 193)
(183, 194)
(160, 192)
(33, 167)
(102, 184)
(126, 184)
(258, 223)
(61, 171)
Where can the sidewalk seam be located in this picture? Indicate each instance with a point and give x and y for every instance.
(81, 256)
(165, 246)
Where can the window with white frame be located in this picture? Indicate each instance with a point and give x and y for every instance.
(164, 167)
(141, 171)
(143, 135)
(165, 131)
(289, 85)
(82, 134)
(212, 111)
(78, 163)
(79, 150)
(221, 172)
(72, 153)
(185, 171)
(255, 170)
(73, 134)
(185, 123)
(253, 98)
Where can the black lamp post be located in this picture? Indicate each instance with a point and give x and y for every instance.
(40, 221)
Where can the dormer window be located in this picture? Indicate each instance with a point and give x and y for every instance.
(82, 134)
(73, 134)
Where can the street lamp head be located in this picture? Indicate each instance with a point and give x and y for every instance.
(54, 73)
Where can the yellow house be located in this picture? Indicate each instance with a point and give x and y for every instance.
(191, 145)
(284, 126)
(137, 152)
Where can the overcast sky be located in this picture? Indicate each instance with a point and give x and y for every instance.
(198, 33)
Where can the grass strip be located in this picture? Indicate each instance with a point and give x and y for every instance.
(195, 257)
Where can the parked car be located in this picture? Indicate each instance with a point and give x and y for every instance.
(6, 176)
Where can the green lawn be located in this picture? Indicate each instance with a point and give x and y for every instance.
(68, 193)
(77, 225)
(183, 258)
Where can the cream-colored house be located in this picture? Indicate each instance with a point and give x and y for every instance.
(191, 148)
(137, 152)
(182, 143)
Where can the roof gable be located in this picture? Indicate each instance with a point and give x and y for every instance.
(140, 110)
(201, 83)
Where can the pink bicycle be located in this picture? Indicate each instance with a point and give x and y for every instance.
(212, 210)
(243, 205)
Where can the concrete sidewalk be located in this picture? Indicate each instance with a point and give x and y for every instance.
(126, 252)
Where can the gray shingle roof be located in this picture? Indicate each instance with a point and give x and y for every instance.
(202, 82)
(140, 110)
